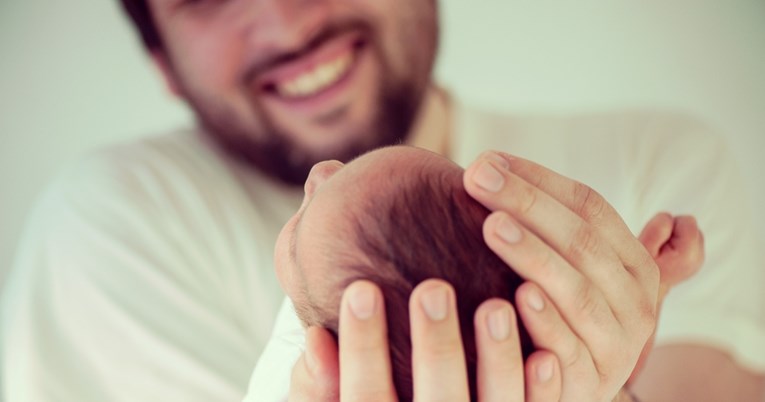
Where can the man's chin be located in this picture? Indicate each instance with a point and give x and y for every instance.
(289, 161)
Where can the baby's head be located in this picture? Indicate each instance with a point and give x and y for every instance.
(395, 216)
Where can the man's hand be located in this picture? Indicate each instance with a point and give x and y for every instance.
(363, 373)
(592, 290)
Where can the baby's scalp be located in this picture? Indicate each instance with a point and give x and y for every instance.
(347, 208)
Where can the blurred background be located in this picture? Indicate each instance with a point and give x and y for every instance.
(73, 76)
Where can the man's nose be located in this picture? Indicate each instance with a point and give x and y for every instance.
(276, 27)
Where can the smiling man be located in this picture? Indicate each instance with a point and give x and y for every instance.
(286, 85)
(145, 272)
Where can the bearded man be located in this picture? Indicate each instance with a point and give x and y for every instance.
(146, 270)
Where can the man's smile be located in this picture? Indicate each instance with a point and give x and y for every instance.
(316, 83)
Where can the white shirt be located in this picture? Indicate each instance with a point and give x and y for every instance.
(642, 163)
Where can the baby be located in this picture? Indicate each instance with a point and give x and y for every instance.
(397, 216)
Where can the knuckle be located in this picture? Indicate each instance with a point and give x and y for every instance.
(444, 349)
(605, 377)
(588, 202)
(586, 303)
(543, 264)
(558, 340)
(364, 348)
(368, 394)
(646, 317)
(584, 244)
(571, 357)
(536, 176)
(527, 198)
(647, 270)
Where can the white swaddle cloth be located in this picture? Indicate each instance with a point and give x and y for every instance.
(271, 379)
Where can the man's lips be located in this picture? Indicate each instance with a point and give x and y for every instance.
(314, 72)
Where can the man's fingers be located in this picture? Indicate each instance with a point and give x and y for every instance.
(656, 232)
(581, 199)
(574, 196)
(581, 303)
(573, 228)
(315, 375)
(500, 361)
(364, 358)
(550, 332)
(569, 235)
(438, 360)
(543, 377)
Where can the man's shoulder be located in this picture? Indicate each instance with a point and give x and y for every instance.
(156, 155)
(143, 167)
(636, 134)
(175, 179)
(614, 122)
(149, 180)
(620, 153)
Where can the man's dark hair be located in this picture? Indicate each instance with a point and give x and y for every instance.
(429, 228)
(140, 13)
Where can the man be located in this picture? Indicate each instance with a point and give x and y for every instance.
(145, 271)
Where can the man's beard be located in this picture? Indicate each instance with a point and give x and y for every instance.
(275, 154)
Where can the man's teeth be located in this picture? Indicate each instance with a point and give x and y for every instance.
(314, 81)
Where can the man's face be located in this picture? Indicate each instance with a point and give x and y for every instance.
(284, 84)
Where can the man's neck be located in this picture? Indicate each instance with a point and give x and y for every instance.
(432, 129)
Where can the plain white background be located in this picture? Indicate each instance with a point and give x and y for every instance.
(73, 76)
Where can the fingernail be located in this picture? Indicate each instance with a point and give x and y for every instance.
(535, 300)
(434, 302)
(545, 371)
(508, 231)
(488, 177)
(498, 322)
(361, 300)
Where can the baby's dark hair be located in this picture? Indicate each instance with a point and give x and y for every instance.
(428, 228)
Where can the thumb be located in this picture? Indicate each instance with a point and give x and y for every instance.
(315, 376)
